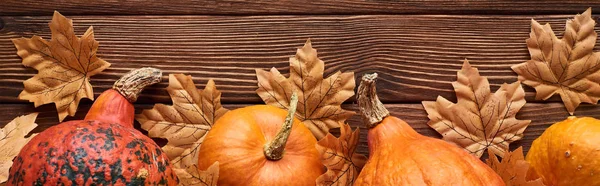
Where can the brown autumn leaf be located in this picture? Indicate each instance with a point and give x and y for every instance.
(480, 119)
(186, 122)
(64, 64)
(567, 67)
(319, 99)
(191, 176)
(513, 168)
(12, 139)
(337, 154)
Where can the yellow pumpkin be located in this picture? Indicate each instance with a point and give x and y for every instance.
(568, 153)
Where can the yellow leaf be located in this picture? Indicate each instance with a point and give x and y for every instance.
(186, 122)
(65, 65)
(191, 176)
(12, 139)
(319, 99)
(480, 119)
(513, 169)
(566, 66)
(337, 154)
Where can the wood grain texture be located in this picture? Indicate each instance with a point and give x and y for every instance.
(262, 7)
(542, 116)
(416, 56)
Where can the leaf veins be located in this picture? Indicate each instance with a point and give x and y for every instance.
(480, 119)
(513, 169)
(65, 65)
(337, 154)
(319, 99)
(186, 122)
(12, 139)
(567, 67)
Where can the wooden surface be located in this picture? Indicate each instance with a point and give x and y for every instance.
(416, 54)
(264, 7)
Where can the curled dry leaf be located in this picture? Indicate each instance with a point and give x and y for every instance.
(65, 65)
(513, 169)
(12, 139)
(186, 122)
(319, 99)
(566, 66)
(191, 176)
(479, 120)
(337, 154)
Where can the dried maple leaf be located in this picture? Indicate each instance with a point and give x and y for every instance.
(337, 154)
(65, 65)
(479, 120)
(12, 139)
(513, 168)
(186, 122)
(192, 177)
(319, 99)
(566, 66)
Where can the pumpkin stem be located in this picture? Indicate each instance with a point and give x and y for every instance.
(132, 83)
(371, 109)
(274, 149)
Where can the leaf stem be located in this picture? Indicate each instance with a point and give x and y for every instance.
(371, 109)
(274, 149)
(132, 83)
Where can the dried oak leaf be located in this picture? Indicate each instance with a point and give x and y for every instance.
(337, 154)
(319, 99)
(12, 139)
(65, 65)
(513, 168)
(479, 120)
(566, 66)
(191, 176)
(186, 122)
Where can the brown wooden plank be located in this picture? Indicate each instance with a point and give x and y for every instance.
(220, 7)
(542, 116)
(416, 56)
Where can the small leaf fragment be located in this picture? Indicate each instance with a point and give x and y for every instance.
(338, 155)
(12, 139)
(568, 67)
(513, 169)
(479, 120)
(65, 65)
(320, 99)
(185, 123)
(191, 176)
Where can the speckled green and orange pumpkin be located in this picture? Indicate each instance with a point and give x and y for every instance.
(102, 149)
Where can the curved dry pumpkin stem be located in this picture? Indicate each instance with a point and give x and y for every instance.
(274, 149)
(371, 109)
(132, 83)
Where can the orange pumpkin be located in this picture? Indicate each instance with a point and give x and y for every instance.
(568, 153)
(398, 155)
(259, 145)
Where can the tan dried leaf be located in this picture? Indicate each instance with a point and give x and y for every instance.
(566, 66)
(191, 176)
(319, 99)
(479, 120)
(65, 65)
(338, 155)
(186, 122)
(513, 168)
(12, 139)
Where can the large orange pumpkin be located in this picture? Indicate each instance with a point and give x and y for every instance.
(398, 155)
(102, 149)
(568, 153)
(259, 145)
